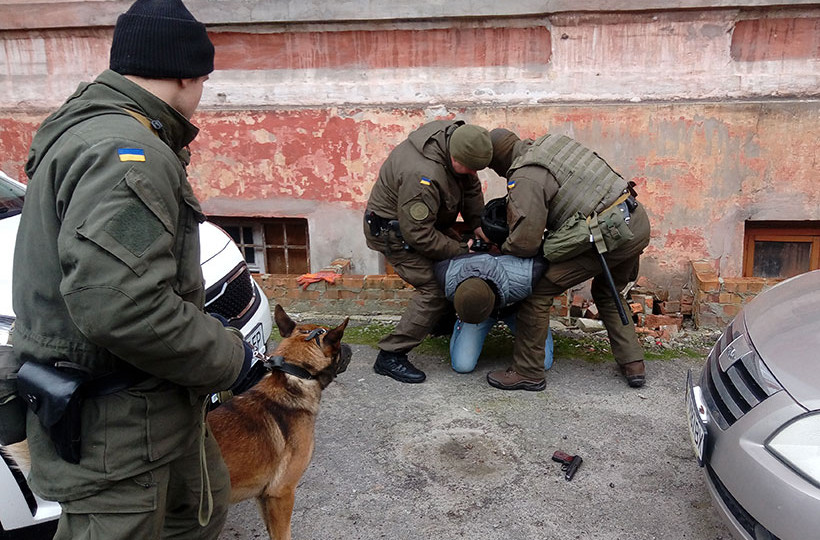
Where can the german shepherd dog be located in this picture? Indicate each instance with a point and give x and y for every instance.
(266, 434)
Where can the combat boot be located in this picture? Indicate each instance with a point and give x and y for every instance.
(397, 366)
(634, 373)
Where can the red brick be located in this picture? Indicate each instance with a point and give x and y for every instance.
(351, 282)
(332, 294)
(656, 321)
(347, 295)
(394, 282)
(374, 281)
(731, 310)
(729, 298)
(647, 331)
(670, 306)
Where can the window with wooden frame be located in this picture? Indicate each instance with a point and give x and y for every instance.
(781, 249)
(270, 245)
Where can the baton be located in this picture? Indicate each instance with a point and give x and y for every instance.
(611, 283)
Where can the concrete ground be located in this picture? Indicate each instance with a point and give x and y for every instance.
(456, 458)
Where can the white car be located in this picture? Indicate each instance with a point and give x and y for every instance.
(230, 291)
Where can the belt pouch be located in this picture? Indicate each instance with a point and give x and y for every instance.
(55, 396)
(569, 240)
(614, 227)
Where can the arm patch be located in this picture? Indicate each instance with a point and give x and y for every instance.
(135, 227)
(419, 211)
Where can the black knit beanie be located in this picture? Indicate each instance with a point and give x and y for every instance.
(161, 39)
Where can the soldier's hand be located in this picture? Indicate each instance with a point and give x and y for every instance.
(479, 232)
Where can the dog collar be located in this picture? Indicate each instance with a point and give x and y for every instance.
(278, 363)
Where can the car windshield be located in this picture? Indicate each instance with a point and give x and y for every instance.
(11, 198)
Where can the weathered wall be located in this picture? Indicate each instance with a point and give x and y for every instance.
(712, 109)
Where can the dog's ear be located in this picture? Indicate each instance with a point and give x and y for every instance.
(283, 322)
(334, 337)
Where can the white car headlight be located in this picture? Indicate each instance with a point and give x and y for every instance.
(5, 329)
(797, 444)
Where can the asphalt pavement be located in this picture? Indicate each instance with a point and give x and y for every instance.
(455, 458)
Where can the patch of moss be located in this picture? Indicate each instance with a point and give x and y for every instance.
(499, 344)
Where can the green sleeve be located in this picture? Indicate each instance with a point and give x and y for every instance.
(473, 205)
(527, 212)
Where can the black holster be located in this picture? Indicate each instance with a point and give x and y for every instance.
(55, 396)
(379, 225)
(55, 392)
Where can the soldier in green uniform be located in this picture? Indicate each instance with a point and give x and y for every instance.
(107, 281)
(552, 184)
(425, 183)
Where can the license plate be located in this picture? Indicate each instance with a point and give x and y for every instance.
(696, 413)
(256, 338)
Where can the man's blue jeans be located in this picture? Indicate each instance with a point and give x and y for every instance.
(468, 340)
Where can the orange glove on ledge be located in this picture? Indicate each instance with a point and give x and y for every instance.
(306, 279)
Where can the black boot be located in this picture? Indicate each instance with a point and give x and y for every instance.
(397, 366)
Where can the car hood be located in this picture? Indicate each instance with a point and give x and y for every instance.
(8, 235)
(783, 324)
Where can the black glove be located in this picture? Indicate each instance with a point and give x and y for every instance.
(246, 364)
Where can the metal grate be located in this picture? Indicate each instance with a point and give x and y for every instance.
(233, 297)
(734, 379)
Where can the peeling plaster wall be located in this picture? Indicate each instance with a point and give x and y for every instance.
(763, 153)
(711, 107)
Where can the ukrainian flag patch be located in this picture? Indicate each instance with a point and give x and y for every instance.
(510, 184)
(424, 181)
(131, 154)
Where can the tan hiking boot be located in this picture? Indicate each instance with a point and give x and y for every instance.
(509, 379)
(634, 373)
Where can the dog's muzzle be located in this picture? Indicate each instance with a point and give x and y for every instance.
(345, 354)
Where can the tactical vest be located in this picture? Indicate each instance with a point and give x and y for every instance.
(585, 179)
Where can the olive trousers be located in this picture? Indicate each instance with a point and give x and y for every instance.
(427, 305)
(533, 317)
(162, 503)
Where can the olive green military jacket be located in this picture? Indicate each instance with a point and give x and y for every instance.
(418, 186)
(533, 185)
(107, 275)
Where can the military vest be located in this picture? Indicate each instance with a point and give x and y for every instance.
(585, 179)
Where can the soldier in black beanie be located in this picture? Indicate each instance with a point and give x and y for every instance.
(107, 281)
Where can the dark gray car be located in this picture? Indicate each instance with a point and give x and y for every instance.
(754, 415)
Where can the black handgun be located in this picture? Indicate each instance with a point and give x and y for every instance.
(569, 464)
(480, 245)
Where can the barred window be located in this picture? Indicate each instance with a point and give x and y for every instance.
(270, 245)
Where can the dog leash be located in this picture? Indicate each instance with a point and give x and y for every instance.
(205, 495)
